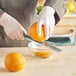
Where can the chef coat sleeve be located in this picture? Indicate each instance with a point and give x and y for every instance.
(1, 11)
(59, 6)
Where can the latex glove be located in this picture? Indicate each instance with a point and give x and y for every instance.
(46, 18)
(12, 27)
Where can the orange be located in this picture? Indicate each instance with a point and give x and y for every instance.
(33, 32)
(43, 54)
(14, 62)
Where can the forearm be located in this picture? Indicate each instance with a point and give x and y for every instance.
(1, 13)
(59, 7)
(1, 10)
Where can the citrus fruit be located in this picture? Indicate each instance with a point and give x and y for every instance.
(43, 54)
(14, 62)
(33, 32)
(70, 6)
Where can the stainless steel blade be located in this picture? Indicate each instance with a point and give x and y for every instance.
(45, 43)
(49, 45)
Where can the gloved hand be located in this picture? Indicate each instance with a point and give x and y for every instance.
(12, 27)
(46, 18)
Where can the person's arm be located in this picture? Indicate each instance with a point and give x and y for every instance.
(1, 12)
(49, 16)
(12, 27)
(59, 7)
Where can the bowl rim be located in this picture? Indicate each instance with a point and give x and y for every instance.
(30, 45)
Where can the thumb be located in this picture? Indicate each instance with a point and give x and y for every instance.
(39, 24)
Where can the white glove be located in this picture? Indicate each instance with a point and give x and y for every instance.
(12, 27)
(46, 18)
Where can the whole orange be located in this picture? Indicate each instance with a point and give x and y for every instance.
(14, 62)
(33, 33)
